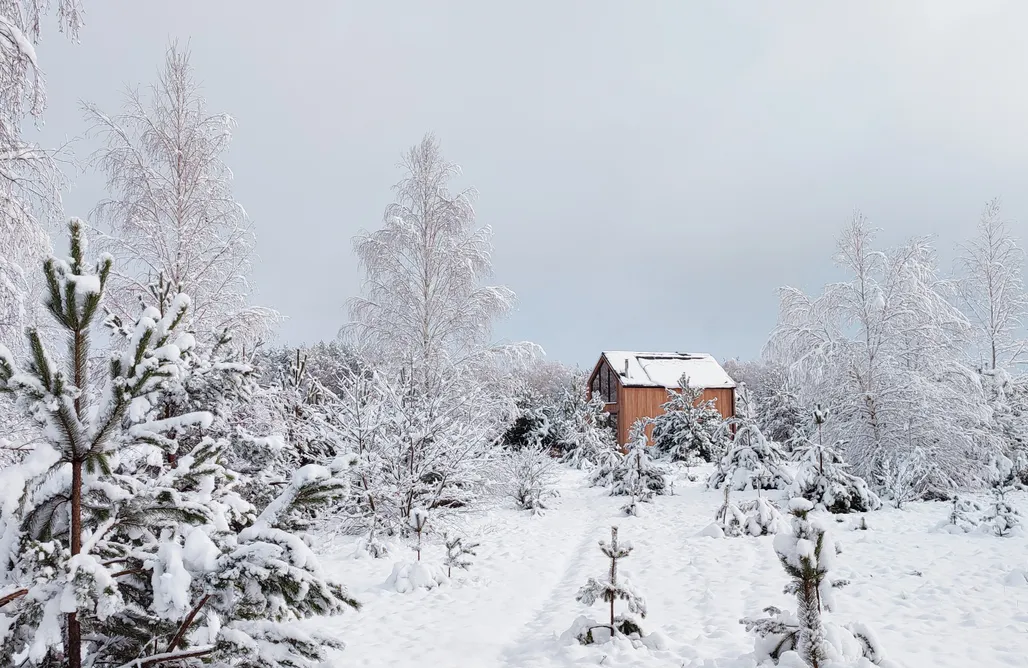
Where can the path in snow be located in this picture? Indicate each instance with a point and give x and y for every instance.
(934, 599)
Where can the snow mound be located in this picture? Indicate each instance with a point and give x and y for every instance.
(1016, 578)
(408, 576)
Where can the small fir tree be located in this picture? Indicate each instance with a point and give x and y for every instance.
(781, 415)
(609, 589)
(457, 552)
(822, 479)
(689, 428)
(752, 462)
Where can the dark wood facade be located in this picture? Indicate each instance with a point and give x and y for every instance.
(627, 403)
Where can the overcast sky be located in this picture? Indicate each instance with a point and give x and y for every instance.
(652, 171)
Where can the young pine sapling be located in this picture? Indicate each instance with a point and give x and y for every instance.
(457, 552)
(609, 589)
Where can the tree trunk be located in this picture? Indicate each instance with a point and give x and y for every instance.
(74, 644)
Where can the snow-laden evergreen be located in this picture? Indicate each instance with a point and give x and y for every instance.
(752, 462)
(822, 478)
(123, 537)
(459, 551)
(634, 474)
(807, 554)
(610, 589)
(591, 441)
(689, 428)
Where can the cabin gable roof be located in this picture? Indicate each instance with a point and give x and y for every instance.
(642, 369)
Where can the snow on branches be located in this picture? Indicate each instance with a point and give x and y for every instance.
(124, 528)
(752, 462)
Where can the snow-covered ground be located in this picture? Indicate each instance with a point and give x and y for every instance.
(935, 600)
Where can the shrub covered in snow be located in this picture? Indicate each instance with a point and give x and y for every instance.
(528, 478)
(965, 516)
(757, 517)
(807, 554)
(408, 576)
(610, 590)
(752, 462)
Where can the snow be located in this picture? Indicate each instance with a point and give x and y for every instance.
(930, 598)
(665, 369)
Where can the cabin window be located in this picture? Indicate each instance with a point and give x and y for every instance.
(606, 384)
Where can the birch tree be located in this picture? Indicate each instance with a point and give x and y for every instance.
(424, 300)
(30, 187)
(171, 214)
(992, 291)
(884, 349)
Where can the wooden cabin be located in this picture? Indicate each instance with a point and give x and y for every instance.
(634, 385)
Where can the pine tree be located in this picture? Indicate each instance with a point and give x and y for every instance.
(1004, 519)
(636, 474)
(610, 590)
(689, 427)
(419, 523)
(124, 532)
(457, 552)
(752, 462)
(591, 440)
(806, 554)
(781, 415)
(822, 478)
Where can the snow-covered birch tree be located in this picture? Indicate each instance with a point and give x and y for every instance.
(883, 349)
(424, 300)
(992, 291)
(171, 213)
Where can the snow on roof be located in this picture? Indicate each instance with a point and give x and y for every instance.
(665, 369)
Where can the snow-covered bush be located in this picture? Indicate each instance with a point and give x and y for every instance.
(822, 479)
(807, 553)
(409, 576)
(689, 428)
(528, 478)
(965, 516)
(752, 462)
(610, 590)
(757, 517)
(125, 538)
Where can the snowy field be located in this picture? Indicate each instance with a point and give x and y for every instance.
(935, 600)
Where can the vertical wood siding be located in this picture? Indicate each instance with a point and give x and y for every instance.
(645, 402)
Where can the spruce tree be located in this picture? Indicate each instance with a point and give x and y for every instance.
(689, 428)
(1004, 519)
(610, 590)
(124, 539)
(822, 479)
(752, 462)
